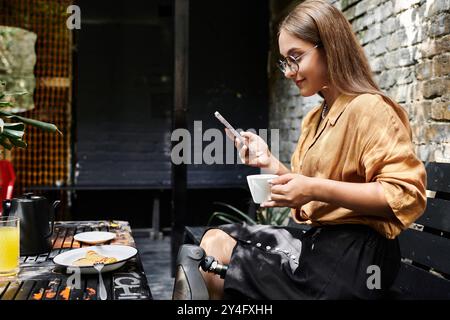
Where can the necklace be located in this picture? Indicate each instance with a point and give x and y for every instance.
(324, 110)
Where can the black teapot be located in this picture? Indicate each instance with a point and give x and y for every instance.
(37, 218)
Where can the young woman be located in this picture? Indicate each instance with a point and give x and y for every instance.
(354, 178)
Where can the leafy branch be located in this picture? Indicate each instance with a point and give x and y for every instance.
(11, 133)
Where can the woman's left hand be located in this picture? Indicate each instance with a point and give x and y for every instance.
(289, 190)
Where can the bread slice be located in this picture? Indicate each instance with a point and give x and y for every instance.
(91, 258)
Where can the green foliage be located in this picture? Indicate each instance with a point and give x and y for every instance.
(235, 216)
(11, 133)
(274, 216)
(269, 216)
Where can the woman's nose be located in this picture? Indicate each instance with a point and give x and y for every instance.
(289, 73)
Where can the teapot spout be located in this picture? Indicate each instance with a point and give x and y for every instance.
(6, 207)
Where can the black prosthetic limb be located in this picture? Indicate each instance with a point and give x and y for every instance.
(189, 283)
(209, 264)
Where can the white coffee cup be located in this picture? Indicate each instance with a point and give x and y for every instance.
(260, 187)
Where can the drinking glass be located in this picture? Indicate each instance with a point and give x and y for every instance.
(9, 246)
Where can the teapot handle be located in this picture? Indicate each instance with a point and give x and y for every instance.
(55, 206)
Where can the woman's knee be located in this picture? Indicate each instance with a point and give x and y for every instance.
(213, 237)
(218, 244)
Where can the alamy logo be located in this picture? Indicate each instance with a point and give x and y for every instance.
(74, 21)
(374, 280)
(74, 281)
(189, 148)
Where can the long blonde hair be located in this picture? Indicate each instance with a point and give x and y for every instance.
(319, 22)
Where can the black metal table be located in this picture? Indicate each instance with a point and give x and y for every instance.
(40, 279)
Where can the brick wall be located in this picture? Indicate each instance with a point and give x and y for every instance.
(407, 43)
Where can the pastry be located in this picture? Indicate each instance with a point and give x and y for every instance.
(91, 258)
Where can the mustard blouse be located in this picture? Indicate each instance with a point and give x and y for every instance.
(362, 139)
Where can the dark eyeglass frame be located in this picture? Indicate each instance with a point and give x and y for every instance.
(293, 63)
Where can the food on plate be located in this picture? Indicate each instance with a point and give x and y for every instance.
(91, 258)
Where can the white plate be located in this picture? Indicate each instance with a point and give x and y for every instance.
(94, 237)
(121, 253)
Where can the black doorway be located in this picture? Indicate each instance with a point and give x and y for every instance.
(125, 93)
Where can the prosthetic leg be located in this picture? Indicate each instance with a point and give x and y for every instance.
(189, 283)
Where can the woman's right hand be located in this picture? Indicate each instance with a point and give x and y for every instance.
(254, 152)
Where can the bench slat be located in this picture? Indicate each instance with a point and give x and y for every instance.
(427, 249)
(437, 215)
(438, 176)
(415, 283)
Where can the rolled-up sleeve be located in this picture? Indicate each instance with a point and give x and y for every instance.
(387, 156)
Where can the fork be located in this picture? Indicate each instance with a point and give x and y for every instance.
(102, 290)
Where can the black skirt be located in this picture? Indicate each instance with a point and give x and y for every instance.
(327, 262)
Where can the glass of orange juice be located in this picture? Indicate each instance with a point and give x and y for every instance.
(9, 246)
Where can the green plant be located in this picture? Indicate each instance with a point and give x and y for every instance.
(11, 133)
(269, 216)
(273, 216)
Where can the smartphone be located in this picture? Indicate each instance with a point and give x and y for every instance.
(228, 125)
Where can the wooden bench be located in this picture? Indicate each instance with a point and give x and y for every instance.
(425, 246)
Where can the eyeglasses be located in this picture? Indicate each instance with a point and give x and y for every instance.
(293, 62)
